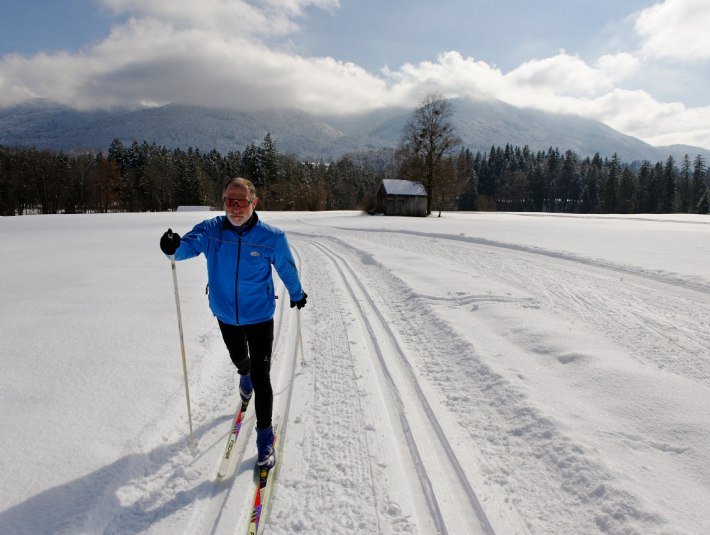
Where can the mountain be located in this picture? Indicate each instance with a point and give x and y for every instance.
(483, 123)
(480, 124)
(46, 125)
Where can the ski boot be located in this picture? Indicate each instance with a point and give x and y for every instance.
(265, 447)
(245, 387)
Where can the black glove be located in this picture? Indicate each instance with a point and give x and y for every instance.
(170, 242)
(300, 304)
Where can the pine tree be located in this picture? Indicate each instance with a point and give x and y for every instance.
(569, 184)
(467, 174)
(251, 165)
(627, 192)
(269, 169)
(697, 186)
(610, 188)
(536, 187)
(683, 195)
(554, 166)
(656, 188)
(703, 206)
(590, 202)
(668, 186)
(642, 199)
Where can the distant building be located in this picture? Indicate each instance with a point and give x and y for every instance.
(187, 208)
(401, 197)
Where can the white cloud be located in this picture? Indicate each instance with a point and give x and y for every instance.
(156, 60)
(617, 67)
(677, 29)
(561, 84)
(58, 77)
(452, 75)
(637, 113)
(569, 75)
(228, 17)
(210, 52)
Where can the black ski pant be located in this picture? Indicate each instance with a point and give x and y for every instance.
(250, 350)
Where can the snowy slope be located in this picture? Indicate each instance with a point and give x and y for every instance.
(475, 373)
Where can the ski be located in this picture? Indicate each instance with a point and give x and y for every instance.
(229, 453)
(264, 480)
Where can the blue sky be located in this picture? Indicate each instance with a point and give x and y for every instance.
(641, 66)
(504, 33)
(46, 25)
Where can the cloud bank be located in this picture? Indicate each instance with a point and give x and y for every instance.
(222, 53)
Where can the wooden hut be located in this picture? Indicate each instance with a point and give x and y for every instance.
(401, 197)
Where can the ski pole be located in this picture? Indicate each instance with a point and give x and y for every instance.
(300, 338)
(193, 442)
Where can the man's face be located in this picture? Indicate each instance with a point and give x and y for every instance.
(238, 215)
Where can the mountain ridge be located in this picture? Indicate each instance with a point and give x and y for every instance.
(480, 124)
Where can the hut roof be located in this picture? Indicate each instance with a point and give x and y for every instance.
(394, 186)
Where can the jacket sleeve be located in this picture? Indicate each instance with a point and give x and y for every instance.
(193, 243)
(286, 268)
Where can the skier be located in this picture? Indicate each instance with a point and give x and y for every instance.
(240, 250)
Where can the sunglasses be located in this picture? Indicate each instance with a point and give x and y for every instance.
(241, 203)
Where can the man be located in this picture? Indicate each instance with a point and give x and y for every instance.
(240, 250)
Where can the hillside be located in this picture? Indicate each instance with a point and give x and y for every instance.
(480, 124)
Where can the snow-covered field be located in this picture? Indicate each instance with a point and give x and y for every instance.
(475, 373)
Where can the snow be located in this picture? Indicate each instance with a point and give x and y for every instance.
(394, 186)
(190, 208)
(474, 373)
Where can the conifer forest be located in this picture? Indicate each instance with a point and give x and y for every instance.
(141, 177)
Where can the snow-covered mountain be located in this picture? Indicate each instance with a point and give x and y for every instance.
(480, 124)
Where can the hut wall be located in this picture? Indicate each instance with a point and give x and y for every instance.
(405, 205)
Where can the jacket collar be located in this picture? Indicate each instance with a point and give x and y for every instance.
(246, 227)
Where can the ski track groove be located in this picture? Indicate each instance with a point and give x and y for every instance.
(505, 424)
(338, 462)
(641, 332)
(473, 501)
(593, 299)
(423, 477)
(685, 283)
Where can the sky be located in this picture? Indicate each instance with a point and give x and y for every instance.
(640, 66)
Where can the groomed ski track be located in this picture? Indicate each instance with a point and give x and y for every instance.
(451, 500)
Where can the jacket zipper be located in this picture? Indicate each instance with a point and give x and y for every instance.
(236, 282)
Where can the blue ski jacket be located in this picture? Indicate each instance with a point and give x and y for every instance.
(239, 260)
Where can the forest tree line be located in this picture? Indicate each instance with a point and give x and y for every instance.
(141, 177)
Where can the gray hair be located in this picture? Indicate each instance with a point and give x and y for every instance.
(241, 183)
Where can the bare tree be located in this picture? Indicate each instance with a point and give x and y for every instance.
(428, 141)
